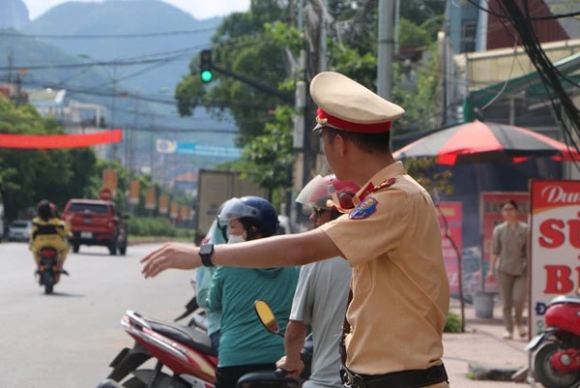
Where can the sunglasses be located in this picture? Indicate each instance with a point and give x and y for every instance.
(318, 212)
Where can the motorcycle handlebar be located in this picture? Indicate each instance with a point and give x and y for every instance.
(280, 373)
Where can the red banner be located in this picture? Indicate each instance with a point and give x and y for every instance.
(47, 142)
(490, 217)
(452, 226)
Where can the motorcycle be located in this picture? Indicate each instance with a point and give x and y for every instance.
(183, 354)
(557, 361)
(48, 272)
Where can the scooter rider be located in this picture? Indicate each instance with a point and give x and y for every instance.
(393, 333)
(49, 231)
(322, 291)
(244, 345)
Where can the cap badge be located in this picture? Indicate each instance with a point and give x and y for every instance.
(321, 121)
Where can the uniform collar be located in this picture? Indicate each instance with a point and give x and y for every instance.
(384, 178)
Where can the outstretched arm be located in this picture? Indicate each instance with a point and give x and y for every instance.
(279, 251)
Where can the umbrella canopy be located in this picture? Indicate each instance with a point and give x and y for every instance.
(479, 142)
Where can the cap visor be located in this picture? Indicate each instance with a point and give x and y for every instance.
(318, 126)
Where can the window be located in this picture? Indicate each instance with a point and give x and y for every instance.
(91, 207)
(468, 35)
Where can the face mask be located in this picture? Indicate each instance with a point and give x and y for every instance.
(233, 239)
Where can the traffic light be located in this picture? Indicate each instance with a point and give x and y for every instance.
(205, 70)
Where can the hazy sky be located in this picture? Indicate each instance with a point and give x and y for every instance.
(200, 9)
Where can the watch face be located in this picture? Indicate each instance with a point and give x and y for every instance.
(206, 249)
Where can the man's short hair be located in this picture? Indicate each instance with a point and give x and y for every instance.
(368, 142)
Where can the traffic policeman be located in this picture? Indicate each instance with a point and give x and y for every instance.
(399, 290)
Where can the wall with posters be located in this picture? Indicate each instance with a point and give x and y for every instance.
(554, 245)
(490, 217)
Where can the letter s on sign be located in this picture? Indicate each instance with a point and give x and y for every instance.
(551, 233)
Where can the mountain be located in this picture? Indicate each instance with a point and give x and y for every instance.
(119, 25)
(155, 38)
(13, 14)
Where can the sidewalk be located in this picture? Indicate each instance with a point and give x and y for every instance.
(482, 343)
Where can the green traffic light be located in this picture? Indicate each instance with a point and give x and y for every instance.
(206, 76)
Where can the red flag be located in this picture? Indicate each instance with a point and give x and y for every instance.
(48, 142)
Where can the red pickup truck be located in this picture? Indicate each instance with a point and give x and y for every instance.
(96, 222)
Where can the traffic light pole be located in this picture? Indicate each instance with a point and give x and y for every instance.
(287, 97)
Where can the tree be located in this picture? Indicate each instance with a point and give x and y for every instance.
(269, 156)
(27, 176)
(261, 45)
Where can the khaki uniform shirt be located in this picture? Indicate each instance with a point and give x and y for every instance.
(511, 246)
(400, 288)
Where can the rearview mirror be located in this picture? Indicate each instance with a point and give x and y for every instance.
(267, 317)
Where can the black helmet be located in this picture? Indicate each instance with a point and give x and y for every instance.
(260, 212)
(44, 210)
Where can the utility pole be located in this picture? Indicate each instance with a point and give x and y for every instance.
(386, 46)
(115, 146)
(10, 66)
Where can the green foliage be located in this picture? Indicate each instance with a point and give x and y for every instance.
(156, 226)
(421, 170)
(419, 102)
(414, 37)
(269, 156)
(453, 324)
(27, 176)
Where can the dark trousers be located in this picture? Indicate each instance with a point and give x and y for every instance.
(215, 340)
(228, 376)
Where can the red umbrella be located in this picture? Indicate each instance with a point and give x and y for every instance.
(479, 142)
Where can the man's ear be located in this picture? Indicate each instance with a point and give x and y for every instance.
(341, 144)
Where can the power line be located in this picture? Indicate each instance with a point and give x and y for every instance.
(108, 36)
(527, 17)
(132, 61)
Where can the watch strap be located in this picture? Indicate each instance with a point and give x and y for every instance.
(206, 257)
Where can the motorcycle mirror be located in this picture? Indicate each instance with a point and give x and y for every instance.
(266, 316)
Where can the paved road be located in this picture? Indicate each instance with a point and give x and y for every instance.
(66, 340)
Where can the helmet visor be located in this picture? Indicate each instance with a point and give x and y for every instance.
(235, 208)
(315, 193)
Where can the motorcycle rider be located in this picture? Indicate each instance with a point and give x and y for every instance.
(322, 291)
(244, 345)
(49, 231)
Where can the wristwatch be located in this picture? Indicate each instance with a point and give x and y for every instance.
(205, 252)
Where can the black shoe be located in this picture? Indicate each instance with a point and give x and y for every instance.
(64, 272)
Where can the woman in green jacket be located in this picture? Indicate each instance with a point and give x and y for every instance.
(245, 346)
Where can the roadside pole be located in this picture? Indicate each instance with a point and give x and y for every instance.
(386, 49)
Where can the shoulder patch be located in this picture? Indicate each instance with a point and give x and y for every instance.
(364, 209)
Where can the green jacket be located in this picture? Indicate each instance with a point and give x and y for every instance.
(234, 290)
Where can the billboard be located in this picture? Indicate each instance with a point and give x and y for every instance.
(195, 149)
(134, 192)
(163, 204)
(150, 200)
(554, 245)
(110, 179)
